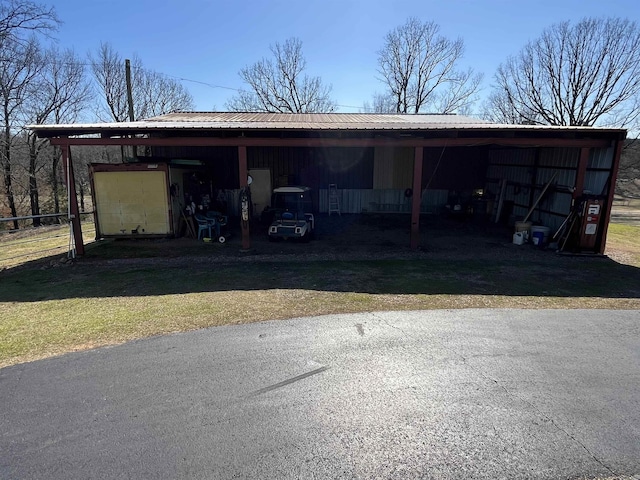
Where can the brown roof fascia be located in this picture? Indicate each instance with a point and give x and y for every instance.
(592, 142)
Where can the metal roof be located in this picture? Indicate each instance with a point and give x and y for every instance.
(318, 120)
(217, 121)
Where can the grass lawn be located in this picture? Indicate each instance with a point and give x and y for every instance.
(625, 239)
(28, 245)
(49, 311)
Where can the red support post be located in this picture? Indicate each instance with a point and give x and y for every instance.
(244, 173)
(67, 164)
(417, 197)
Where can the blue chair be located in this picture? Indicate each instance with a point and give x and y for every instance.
(204, 225)
(217, 220)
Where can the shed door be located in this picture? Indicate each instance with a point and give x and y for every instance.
(260, 189)
(128, 201)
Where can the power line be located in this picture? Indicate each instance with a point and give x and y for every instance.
(239, 90)
(184, 79)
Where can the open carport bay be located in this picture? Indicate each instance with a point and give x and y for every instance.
(444, 394)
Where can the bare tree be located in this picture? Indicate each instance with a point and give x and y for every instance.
(20, 20)
(279, 84)
(153, 93)
(16, 84)
(380, 103)
(498, 109)
(419, 68)
(628, 183)
(61, 93)
(583, 74)
(156, 94)
(109, 74)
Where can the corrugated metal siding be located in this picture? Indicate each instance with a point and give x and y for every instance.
(403, 168)
(455, 168)
(393, 168)
(289, 166)
(513, 174)
(385, 200)
(595, 182)
(512, 156)
(601, 158)
(350, 168)
(563, 177)
(383, 168)
(559, 157)
(433, 200)
(350, 200)
(526, 180)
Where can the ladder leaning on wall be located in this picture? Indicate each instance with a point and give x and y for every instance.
(334, 202)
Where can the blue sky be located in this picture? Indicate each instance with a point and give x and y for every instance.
(210, 41)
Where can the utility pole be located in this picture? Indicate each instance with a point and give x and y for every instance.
(127, 74)
(127, 69)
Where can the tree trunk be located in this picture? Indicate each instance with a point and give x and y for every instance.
(82, 196)
(33, 189)
(8, 188)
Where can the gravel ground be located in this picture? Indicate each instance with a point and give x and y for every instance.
(337, 238)
(349, 237)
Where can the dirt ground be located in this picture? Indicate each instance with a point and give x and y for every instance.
(363, 236)
(351, 236)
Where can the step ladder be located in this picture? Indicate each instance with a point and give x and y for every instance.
(334, 202)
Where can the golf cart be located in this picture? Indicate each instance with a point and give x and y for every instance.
(292, 214)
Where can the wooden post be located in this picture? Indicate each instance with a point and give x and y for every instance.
(417, 197)
(67, 164)
(244, 173)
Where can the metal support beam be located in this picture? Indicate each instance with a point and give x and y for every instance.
(581, 172)
(416, 200)
(67, 164)
(244, 173)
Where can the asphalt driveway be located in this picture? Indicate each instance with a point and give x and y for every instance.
(438, 394)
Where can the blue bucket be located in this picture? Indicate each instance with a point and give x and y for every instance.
(538, 239)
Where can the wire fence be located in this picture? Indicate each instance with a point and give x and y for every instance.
(28, 244)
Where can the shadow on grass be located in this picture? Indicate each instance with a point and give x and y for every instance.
(458, 258)
(545, 274)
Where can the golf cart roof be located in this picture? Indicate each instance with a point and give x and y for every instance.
(291, 190)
